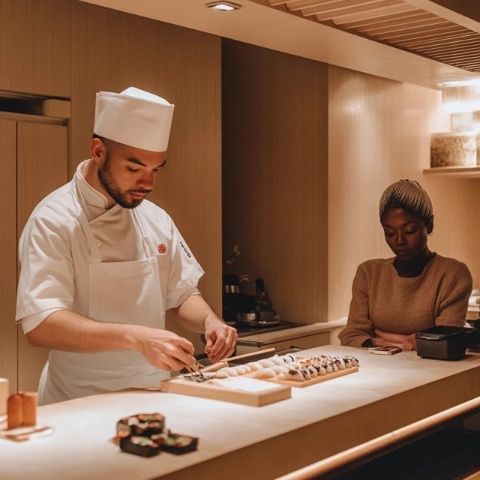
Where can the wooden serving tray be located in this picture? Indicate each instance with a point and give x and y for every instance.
(22, 434)
(313, 381)
(243, 390)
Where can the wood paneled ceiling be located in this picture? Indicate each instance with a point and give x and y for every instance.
(398, 23)
(371, 36)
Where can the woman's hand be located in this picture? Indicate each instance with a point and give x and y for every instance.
(405, 342)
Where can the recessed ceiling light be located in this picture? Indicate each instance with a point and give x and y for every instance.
(223, 6)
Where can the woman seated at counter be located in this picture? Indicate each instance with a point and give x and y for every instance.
(417, 289)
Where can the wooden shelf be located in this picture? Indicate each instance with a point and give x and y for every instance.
(465, 172)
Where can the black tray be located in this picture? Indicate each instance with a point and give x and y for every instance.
(445, 342)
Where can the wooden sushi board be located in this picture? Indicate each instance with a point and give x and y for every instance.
(313, 381)
(247, 391)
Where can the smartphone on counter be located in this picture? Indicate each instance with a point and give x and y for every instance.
(386, 350)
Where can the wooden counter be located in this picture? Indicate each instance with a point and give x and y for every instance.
(303, 337)
(238, 441)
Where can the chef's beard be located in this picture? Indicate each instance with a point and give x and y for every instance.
(108, 183)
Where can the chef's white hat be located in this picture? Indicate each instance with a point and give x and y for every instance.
(134, 117)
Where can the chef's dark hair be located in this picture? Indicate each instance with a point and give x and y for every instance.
(410, 196)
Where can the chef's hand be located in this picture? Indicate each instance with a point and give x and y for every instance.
(405, 342)
(165, 350)
(220, 337)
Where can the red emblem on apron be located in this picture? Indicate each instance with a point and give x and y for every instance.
(162, 248)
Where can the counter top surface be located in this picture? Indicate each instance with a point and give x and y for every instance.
(81, 448)
(292, 332)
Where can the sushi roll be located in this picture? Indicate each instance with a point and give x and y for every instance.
(142, 424)
(138, 445)
(176, 443)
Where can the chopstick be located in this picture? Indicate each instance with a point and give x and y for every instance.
(224, 362)
(28, 434)
(250, 354)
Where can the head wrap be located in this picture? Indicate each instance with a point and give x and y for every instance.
(408, 195)
(134, 117)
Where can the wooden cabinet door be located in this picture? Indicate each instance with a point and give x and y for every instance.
(42, 159)
(35, 46)
(8, 248)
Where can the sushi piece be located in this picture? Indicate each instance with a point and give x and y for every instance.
(229, 371)
(138, 445)
(293, 365)
(241, 369)
(352, 360)
(277, 360)
(306, 373)
(266, 363)
(176, 443)
(264, 373)
(289, 358)
(340, 363)
(279, 369)
(142, 424)
(292, 374)
(254, 366)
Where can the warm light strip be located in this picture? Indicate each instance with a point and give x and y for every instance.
(223, 6)
(461, 83)
(461, 107)
(372, 446)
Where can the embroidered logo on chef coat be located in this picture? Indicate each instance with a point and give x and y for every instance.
(162, 248)
(189, 255)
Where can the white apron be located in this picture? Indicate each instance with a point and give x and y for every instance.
(126, 292)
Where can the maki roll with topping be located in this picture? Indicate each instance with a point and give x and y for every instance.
(138, 445)
(175, 442)
(142, 424)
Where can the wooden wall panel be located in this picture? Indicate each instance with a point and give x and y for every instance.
(35, 46)
(275, 175)
(112, 51)
(8, 247)
(42, 167)
(379, 132)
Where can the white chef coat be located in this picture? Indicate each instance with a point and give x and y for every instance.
(110, 264)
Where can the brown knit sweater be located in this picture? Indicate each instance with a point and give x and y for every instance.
(382, 299)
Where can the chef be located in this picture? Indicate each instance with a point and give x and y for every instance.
(100, 265)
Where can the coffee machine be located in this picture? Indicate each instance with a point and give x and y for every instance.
(234, 301)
